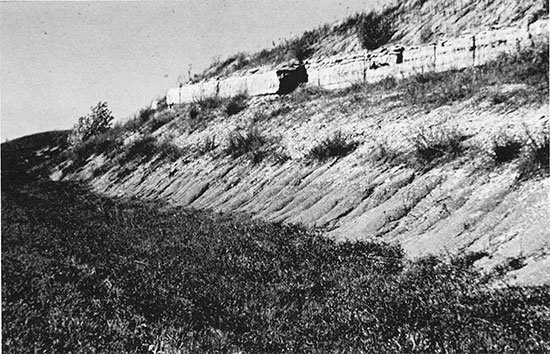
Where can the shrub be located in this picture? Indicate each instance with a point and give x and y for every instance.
(279, 157)
(207, 145)
(144, 115)
(432, 143)
(147, 147)
(194, 112)
(505, 148)
(537, 158)
(199, 116)
(169, 151)
(106, 143)
(160, 120)
(382, 152)
(376, 29)
(143, 147)
(239, 144)
(338, 145)
(236, 104)
(93, 124)
(426, 34)
(209, 103)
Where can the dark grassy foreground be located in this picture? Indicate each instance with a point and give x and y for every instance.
(81, 273)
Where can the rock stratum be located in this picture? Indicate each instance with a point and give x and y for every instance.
(341, 71)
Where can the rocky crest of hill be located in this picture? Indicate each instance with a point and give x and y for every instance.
(409, 22)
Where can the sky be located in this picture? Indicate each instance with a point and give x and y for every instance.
(57, 59)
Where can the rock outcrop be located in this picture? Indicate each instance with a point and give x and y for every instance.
(343, 71)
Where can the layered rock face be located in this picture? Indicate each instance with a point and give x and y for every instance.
(343, 71)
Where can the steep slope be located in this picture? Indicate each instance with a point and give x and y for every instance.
(463, 200)
(438, 162)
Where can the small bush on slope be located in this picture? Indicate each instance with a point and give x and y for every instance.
(147, 147)
(376, 29)
(251, 143)
(338, 145)
(107, 143)
(432, 143)
(97, 122)
(236, 104)
(505, 148)
(82, 273)
(536, 161)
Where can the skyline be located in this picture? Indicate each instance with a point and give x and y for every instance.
(57, 59)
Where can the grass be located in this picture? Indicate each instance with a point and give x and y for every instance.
(147, 147)
(536, 161)
(376, 29)
(337, 145)
(431, 143)
(20, 161)
(505, 148)
(250, 143)
(236, 104)
(82, 273)
(529, 68)
(160, 120)
(207, 145)
(107, 143)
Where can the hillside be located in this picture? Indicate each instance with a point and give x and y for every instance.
(408, 214)
(440, 163)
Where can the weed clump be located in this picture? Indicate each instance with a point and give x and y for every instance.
(338, 145)
(433, 143)
(147, 147)
(209, 102)
(236, 104)
(376, 29)
(160, 120)
(537, 157)
(505, 148)
(250, 143)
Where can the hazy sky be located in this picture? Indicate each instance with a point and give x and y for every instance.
(59, 58)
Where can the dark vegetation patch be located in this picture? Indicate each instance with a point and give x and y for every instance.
(147, 147)
(337, 145)
(430, 144)
(20, 159)
(207, 145)
(250, 143)
(236, 104)
(160, 119)
(505, 148)
(375, 29)
(81, 273)
(536, 160)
